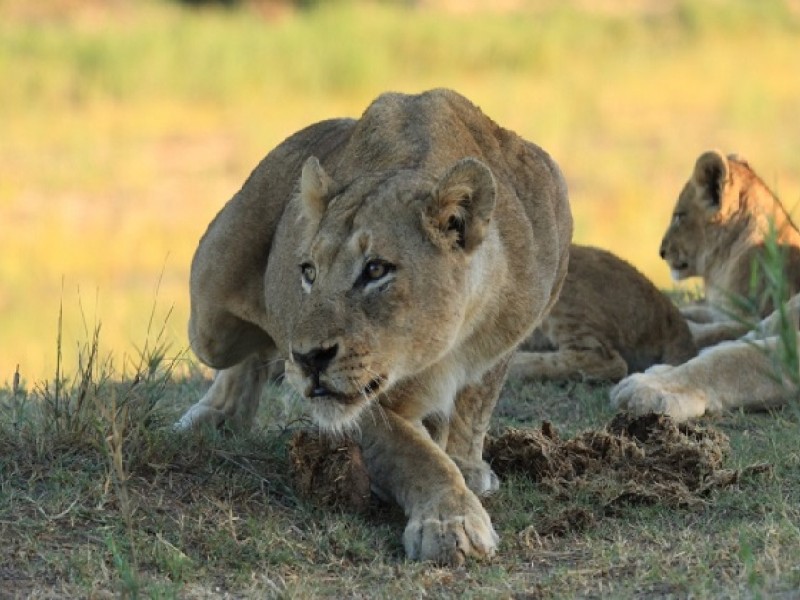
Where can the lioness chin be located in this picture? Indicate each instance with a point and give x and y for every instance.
(381, 258)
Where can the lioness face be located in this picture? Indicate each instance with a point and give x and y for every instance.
(698, 211)
(383, 271)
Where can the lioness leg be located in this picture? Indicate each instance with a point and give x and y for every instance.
(468, 426)
(596, 363)
(446, 521)
(737, 374)
(233, 397)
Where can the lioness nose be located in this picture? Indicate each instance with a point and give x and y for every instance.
(315, 361)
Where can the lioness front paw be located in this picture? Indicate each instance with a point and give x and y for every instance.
(450, 530)
(644, 393)
(197, 416)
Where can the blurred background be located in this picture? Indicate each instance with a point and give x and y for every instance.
(126, 124)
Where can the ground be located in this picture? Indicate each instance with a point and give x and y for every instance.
(111, 502)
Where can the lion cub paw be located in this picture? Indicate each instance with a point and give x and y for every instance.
(449, 530)
(653, 392)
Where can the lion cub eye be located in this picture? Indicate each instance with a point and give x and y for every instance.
(308, 272)
(677, 218)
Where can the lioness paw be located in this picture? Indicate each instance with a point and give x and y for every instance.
(450, 531)
(197, 416)
(644, 393)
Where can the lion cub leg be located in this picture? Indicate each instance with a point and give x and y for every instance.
(232, 399)
(469, 423)
(737, 374)
(585, 358)
(446, 521)
(711, 334)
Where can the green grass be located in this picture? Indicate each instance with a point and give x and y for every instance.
(126, 128)
(99, 496)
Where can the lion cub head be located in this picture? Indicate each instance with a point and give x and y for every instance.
(715, 209)
(385, 269)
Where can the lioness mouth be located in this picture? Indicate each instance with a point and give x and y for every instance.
(319, 391)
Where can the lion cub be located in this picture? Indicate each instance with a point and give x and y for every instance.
(608, 321)
(718, 229)
(719, 226)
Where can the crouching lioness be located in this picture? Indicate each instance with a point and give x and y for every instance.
(394, 262)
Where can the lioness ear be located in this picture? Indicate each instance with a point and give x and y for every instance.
(462, 205)
(315, 185)
(710, 174)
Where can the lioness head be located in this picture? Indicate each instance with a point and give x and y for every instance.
(384, 268)
(706, 204)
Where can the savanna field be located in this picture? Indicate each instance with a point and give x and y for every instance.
(124, 127)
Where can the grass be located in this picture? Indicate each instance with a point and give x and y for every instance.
(124, 131)
(98, 496)
(129, 124)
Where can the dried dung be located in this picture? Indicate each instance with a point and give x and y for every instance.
(634, 460)
(329, 471)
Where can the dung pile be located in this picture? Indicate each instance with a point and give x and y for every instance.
(329, 471)
(634, 460)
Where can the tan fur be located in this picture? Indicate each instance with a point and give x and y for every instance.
(609, 320)
(388, 278)
(718, 229)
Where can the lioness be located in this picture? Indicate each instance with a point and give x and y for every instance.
(608, 321)
(718, 229)
(394, 262)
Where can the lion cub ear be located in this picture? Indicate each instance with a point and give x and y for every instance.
(711, 172)
(462, 205)
(315, 185)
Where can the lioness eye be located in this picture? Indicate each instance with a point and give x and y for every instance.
(309, 273)
(375, 269)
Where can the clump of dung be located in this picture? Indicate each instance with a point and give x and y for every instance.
(329, 471)
(633, 460)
